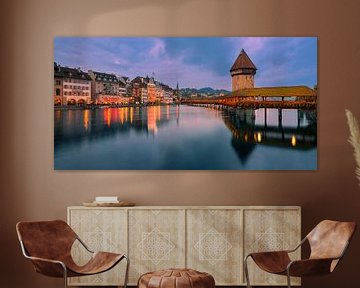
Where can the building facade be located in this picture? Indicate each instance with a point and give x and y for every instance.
(72, 86)
(140, 90)
(148, 90)
(151, 90)
(122, 86)
(128, 86)
(58, 88)
(159, 92)
(242, 72)
(168, 94)
(106, 89)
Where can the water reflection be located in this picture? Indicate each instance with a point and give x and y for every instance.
(153, 117)
(182, 137)
(78, 125)
(290, 129)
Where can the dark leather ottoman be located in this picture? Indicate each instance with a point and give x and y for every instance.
(176, 278)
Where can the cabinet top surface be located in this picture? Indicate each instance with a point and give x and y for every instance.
(193, 207)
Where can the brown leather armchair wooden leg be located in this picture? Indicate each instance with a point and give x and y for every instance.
(48, 245)
(328, 242)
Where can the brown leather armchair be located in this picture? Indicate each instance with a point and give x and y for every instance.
(48, 245)
(328, 242)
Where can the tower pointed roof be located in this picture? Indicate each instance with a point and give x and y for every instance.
(243, 61)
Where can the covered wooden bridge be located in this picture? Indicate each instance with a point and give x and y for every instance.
(296, 97)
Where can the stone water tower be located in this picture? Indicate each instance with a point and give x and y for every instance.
(242, 72)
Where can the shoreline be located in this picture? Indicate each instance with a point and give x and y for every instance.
(94, 107)
(246, 106)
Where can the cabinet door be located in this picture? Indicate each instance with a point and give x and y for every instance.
(100, 230)
(156, 240)
(271, 230)
(214, 244)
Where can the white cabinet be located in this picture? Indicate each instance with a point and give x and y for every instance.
(211, 239)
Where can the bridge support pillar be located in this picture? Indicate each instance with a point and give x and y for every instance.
(265, 117)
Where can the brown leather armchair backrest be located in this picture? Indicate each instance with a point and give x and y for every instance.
(47, 239)
(329, 239)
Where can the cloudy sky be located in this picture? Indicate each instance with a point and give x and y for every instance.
(194, 62)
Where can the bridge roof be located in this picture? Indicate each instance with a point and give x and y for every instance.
(285, 91)
(243, 61)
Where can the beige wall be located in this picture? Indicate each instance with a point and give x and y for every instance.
(32, 190)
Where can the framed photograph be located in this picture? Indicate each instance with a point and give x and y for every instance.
(185, 103)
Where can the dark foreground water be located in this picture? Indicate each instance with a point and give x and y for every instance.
(184, 137)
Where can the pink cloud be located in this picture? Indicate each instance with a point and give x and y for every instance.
(158, 48)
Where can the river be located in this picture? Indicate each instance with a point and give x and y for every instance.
(184, 138)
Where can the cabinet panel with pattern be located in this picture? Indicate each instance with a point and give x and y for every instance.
(214, 241)
(156, 240)
(270, 230)
(101, 230)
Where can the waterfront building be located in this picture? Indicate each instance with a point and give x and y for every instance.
(129, 88)
(151, 89)
(136, 93)
(140, 90)
(72, 86)
(58, 89)
(123, 90)
(125, 86)
(105, 89)
(243, 72)
(168, 94)
(159, 91)
(122, 86)
(144, 99)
